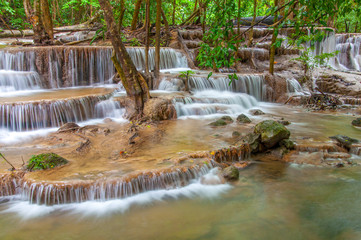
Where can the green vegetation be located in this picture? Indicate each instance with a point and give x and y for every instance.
(45, 161)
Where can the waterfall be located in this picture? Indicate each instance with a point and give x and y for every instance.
(23, 116)
(11, 81)
(348, 47)
(210, 102)
(294, 87)
(101, 190)
(109, 109)
(81, 66)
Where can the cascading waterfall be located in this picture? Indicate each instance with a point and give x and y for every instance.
(101, 190)
(25, 116)
(81, 66)
(11, 81)
(294, 87)
(210, 102)
(348, 47)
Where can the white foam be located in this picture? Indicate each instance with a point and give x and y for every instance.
(98, 208)
(10, 137)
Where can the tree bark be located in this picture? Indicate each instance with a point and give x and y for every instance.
(135, 15)
(121, 16)
(157, 39)
(274, 38)
(166, 26)
(147, 42)
(46, 18)
(250, 39)
(133, 82)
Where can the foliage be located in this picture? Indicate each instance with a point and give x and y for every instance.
(134, 42)
(218, 49)
(45, 161)
(186, 74)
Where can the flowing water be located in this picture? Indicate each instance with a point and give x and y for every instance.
(271, 201)
(101, 195)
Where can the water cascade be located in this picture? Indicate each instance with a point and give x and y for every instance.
(80, 66)
(24, 116)
(100, 190)
(11, 81)
(216, 95)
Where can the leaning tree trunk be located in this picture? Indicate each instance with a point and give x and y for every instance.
(135, 15)
(157, 39)
(46, 18)
(273, 46)
(250, 38)
(36, 15)
(133, 82)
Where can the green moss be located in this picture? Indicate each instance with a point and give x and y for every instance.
(218, 123)
(45, 161)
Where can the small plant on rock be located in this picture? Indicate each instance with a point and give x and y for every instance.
(45, 161)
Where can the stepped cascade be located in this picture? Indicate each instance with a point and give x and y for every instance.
(80, 66)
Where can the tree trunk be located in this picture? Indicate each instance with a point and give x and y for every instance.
(157, 39)
(166, 26)
(135, 15)
(173, 14)
(46, 18)
(121, 16)
(273, 47)
(133, 82)
(147, 42)
(250, 39)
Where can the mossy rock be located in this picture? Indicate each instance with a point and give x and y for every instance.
(243, 119)
(288, 144)
(218, 123)
(356, 122)
(345, 141)
(45, 161)
(256, 112)
(271, 133)
(236, 134)
(227, 119)
(230, 173)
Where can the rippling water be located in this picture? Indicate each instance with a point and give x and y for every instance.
(271, 201)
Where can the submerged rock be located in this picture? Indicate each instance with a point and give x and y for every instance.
(227, 119)
(230, 173)
(256, 112)
(45, 161)
(288, 144)
(243, 119)
(271, 133)
(236, 134)
(218, 123)
(68, 127)
(357, 122)
(284, 122)
(345, 141)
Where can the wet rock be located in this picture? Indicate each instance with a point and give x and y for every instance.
(67, 127)
(345, 141)
(253, 140)
(356, 122)
(230, 173)
(271, 133)
(45, 161)
(227, 119)
(256, 112)
(236, 134)
(340, 165)
(243, 119)
(288, 144)
(218, 123)
(284, 122)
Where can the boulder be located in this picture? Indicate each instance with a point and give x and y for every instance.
(256, 112)
(356, 122)
(230, 173)
(254, 142)
(345, 141)
(243, 119)
(69, 127)
(271, 133)
(227, 119)
(45, 161)
(218, 123)
(288, 144)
